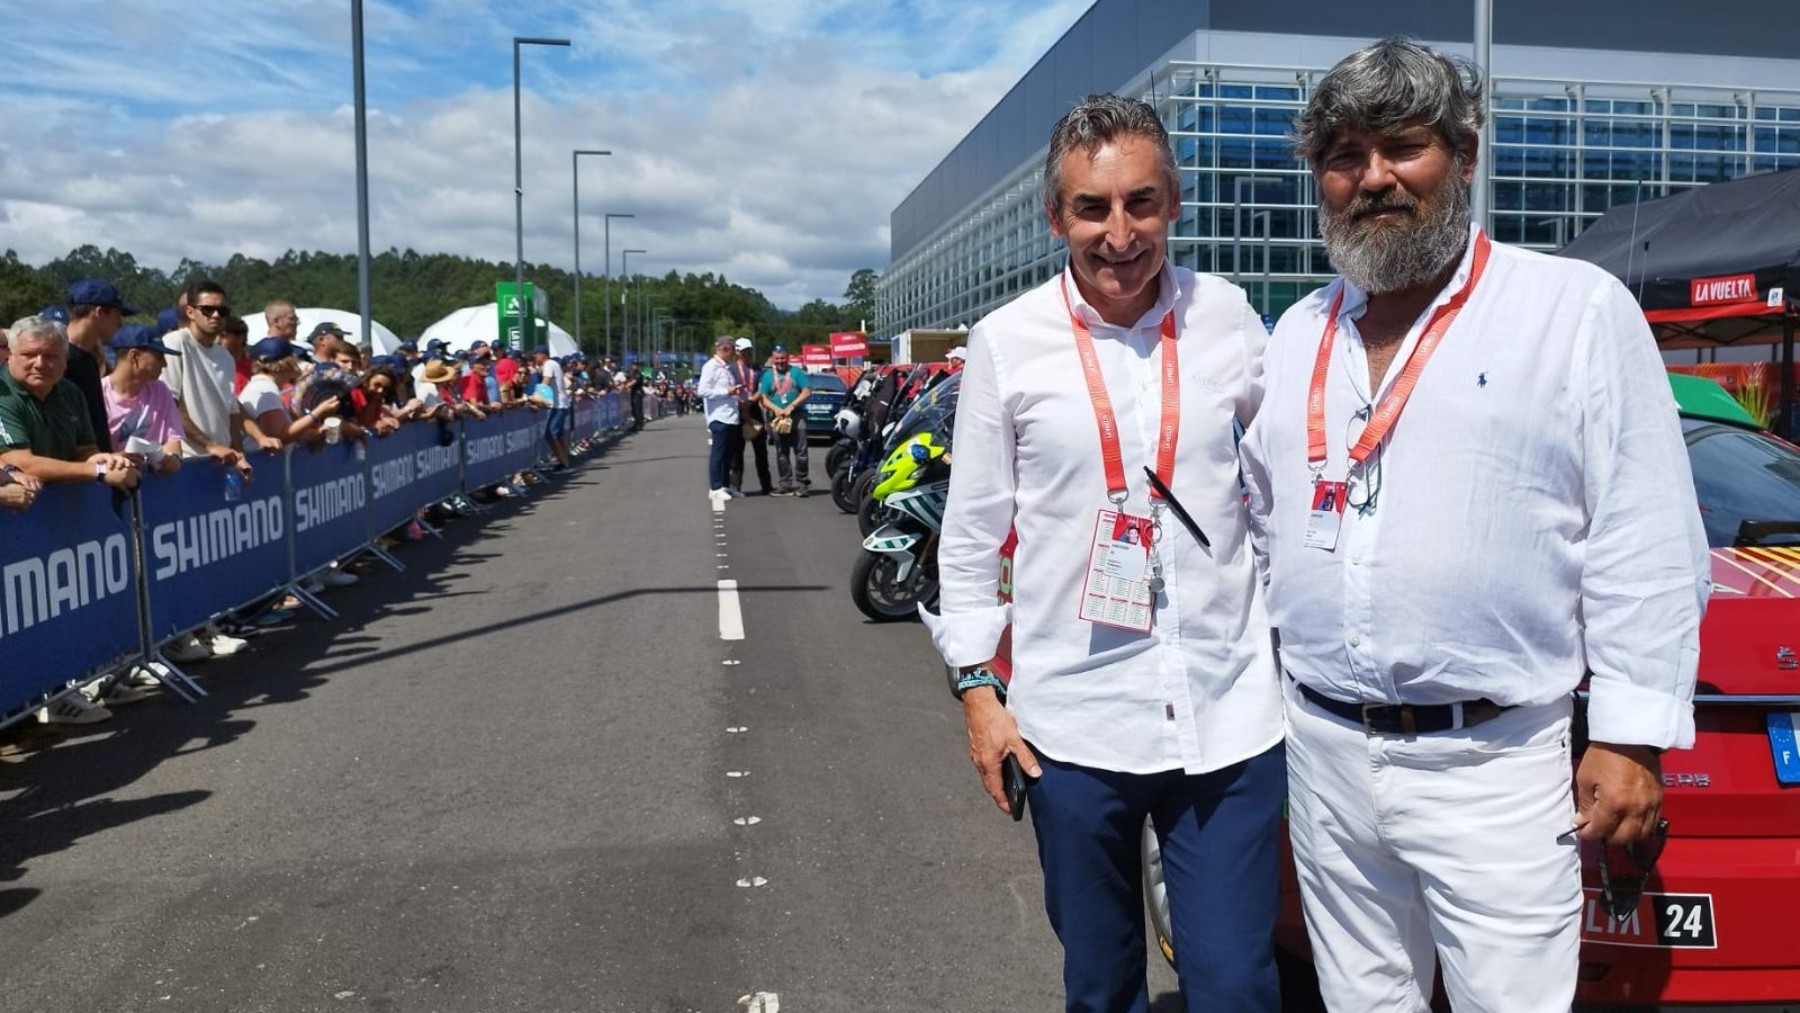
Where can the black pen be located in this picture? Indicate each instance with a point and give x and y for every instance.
(1175, 506)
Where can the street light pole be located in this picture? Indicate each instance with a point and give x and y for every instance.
(528, 313)
(625, 342)
(575, 177)
(362, 173)
(606, 285)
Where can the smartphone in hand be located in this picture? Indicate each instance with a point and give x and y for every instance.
(1012, 781)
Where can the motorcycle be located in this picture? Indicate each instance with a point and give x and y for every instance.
(897, 568)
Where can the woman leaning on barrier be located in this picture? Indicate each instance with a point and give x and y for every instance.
(277, 368)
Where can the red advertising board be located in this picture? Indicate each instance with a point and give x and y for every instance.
(849, 345)
(815, 355)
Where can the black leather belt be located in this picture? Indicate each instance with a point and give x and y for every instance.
(1405, 718)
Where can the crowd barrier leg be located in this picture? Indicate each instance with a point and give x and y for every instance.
(150, 656)
(292, 587)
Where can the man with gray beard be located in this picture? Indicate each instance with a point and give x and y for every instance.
(1469, 491)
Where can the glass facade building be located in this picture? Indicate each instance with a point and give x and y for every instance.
(1565, 148)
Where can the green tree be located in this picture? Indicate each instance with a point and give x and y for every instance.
(859, 296)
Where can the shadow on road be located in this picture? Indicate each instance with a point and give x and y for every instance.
(53, 796)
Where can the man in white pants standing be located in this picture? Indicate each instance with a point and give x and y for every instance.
(1469, 484)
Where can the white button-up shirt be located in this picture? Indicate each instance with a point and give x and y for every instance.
(1199, 691)
(1533, 517)
(716, 379)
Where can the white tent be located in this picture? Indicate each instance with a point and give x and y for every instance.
(386, 342)
(470, 324)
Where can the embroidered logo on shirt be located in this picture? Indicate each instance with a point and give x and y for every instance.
(1481, 381)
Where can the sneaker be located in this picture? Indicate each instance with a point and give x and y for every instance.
(333, 577)
(123, 692)
(273, 617)
(782, 492)
(223, 646)
(186, 650)
(74, 709)
(144, 676)
(716, 495)
(733, 494)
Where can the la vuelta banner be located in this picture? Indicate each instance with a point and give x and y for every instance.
(330, 486)
(211, 544)
(68, 604)
(411, 468)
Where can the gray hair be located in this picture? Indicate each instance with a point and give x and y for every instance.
(1386, 84)
(1098, 120)
(40, 327)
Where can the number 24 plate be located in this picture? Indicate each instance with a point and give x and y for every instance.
(1784, 743)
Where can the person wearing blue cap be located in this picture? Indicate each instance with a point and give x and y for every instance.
(141, 415)
(95, 312)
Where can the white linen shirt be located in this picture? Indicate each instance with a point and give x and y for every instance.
(1535, 517)
(1199, 691)
(716, 378)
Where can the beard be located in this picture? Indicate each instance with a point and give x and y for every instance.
(1388, 254)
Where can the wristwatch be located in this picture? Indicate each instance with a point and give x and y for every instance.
(99, 472)
(981, 675)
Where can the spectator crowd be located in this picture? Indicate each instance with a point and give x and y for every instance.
(87, 397)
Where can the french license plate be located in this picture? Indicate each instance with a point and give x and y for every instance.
(1784, 743)
(1662, 920)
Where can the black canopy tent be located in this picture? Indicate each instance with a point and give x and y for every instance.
(1713, 265)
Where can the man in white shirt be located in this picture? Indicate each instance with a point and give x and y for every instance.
(201, 376)
(556, 428)
(719, 392)
(1161, 701)
(1470, 485)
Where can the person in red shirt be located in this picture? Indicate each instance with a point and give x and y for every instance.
(474, 385)
(506, 373)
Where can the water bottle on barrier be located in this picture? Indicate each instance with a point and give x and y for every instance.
(234, 485)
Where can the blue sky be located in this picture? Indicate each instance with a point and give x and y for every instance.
(763, 139)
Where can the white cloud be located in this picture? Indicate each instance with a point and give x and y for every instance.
(766, 141)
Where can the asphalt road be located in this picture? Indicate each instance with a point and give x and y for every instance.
(528, 774)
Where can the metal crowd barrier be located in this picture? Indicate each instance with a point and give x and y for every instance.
(92, 580)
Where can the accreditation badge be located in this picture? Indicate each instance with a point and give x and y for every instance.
(1327, 516)
(1119, 573)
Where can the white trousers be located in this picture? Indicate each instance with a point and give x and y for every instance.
(1451, 849)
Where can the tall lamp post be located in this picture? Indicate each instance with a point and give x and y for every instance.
(575, 176)
(362, 171)
(529, 313)
(625, 344)
(606, 283)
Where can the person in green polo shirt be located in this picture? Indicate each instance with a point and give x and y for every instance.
(782, 391)
(44, 428)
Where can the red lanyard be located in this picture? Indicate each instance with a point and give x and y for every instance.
(1389, 409)
(1168, 433)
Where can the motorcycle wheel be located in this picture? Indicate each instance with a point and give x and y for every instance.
(875, 592)
(1156, 895)
(869, 516)
(837, 455)
(864, 486)
(842, 492)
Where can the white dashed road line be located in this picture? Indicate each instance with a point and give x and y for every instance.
(731, 617)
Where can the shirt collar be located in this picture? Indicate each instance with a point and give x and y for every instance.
(1356, 300)
(16, 387)
(1169, 290)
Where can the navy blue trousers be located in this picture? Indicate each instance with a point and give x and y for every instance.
(1220, 853)
(724, 440)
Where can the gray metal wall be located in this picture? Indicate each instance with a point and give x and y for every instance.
(1119, 39)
